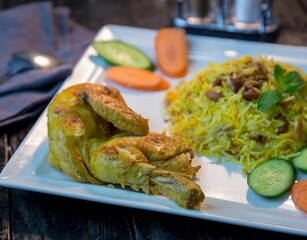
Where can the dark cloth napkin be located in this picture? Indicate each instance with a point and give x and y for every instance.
(42, 28)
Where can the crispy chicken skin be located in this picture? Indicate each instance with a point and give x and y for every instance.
(95, 137)
(110, 105)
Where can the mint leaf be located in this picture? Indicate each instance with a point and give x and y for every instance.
(279, 75)
(293, 82)
(289, 83)
(268, 99)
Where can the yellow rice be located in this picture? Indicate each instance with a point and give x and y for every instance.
(222, 129)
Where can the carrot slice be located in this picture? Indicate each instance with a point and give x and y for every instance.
(163, 85)
(172, 52)
(299, 195)
(136, 78)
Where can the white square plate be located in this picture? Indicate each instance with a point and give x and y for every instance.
(228, 198)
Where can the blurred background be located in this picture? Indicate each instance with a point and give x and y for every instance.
(160, 13)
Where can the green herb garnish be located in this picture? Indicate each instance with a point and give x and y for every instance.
(286, 83)
(267, 99)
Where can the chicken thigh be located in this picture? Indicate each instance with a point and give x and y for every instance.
(95, 137)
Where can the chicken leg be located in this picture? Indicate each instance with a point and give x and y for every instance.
(95, 137)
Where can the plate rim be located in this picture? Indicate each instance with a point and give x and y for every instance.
(8, 179)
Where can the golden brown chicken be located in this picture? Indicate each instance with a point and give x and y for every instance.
(95, 137)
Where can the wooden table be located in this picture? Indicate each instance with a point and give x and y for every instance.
(29, 215)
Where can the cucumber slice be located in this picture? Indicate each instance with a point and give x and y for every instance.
(300, 161)
(272, 178)
(119, 53)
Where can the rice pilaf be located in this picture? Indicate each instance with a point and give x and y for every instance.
(220, 119)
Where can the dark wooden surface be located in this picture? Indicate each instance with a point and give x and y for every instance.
(28, 215)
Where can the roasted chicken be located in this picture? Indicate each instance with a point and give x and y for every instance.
(95, 137)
